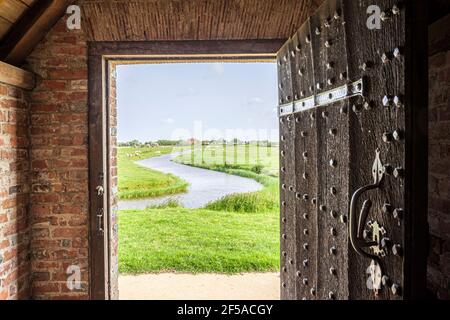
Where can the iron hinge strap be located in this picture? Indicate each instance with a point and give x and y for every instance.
(322, 99)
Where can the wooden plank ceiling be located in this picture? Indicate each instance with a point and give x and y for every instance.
(146, 20)
(10, 12)
(23, 23)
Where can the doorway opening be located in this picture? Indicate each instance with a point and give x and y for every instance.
(104, 59)
(198, 209)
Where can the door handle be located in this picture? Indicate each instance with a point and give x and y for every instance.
(356, 228)
(367, 204)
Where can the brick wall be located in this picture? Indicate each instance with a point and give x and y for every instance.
(439, 165)
(14, 194)
(59, 164)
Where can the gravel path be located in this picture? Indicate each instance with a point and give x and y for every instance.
(171, 286)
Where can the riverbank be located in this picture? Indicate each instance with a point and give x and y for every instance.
(232, 234)
(259, 164)
(137, 181)
(205, 186)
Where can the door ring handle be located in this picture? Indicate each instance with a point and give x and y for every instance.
(355, 228)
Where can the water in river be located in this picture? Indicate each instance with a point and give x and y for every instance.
(205, 185)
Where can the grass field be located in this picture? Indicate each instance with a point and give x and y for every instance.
(185, 240)
(258, 163)
(250, 157)
(238, 233)
(136, 181)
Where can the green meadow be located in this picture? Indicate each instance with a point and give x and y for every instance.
(238, 233)
(137, 182)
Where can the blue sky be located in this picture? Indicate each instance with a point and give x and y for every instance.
(200, 100)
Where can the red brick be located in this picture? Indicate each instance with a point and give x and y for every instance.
(40, 276)
(6, 267)
(39, 164)
(3, 116)
(3, 218)
(71, 96)
(65, 254)
(66, 39)
(9, 254)
(45, 287)
(56, 62)
(44, 130)
(4, 244)
(12, 276)
(70, 209)
(3, 90)
(13, 103)
(45, 198)
(4, 295)
(39, 233)
(14, 92)
(79, 243)
(60, 29)
(45, 107)
(71, 117)
(41, 96)
(65, 74)
(78, 221)
(45, 265)
(69, 232)
(70, 50)
(18, 115)
(52, 85)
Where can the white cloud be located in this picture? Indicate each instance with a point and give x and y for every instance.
(255, 100)
(189, 92)
(218, 68)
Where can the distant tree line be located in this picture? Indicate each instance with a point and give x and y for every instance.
(136, 143)
(165, 142)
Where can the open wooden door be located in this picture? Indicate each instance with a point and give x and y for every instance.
(353, 145)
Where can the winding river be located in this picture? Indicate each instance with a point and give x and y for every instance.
(204, 185)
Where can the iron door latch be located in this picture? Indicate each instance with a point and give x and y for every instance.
(357, 224)
(100, 221)
(100, 214)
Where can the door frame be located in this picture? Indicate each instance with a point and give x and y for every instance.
(102, 57)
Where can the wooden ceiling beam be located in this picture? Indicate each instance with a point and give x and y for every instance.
(31, 29)
(16, 77)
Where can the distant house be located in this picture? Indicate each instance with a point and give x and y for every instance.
(192, 141)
